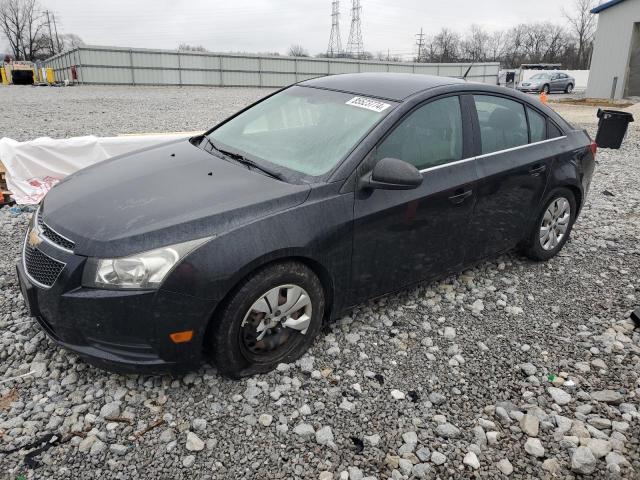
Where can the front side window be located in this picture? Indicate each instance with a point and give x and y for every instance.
(502, 121)
(303, 129)
(430, 136)
(537, 126)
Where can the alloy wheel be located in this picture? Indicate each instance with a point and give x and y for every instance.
(275, 320)
(555, 223)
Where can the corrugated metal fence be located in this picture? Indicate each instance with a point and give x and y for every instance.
(127, 66)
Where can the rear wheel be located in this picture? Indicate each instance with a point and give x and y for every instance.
(569, 88)
(271, 318)
(553, 226)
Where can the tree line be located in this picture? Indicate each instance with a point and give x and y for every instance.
(569, 44)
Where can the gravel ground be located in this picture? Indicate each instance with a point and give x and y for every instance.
(30, 112)
(513, 368)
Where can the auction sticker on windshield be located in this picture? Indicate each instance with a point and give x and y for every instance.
(369, 104)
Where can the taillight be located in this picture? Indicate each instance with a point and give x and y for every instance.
(594, 148)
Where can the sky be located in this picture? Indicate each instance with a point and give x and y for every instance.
(274, 25)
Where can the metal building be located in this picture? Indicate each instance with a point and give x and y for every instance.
(139, 66)
(615, 64)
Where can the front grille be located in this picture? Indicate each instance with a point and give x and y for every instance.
(40, 267)
(53, 236)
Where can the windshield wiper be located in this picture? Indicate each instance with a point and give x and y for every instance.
(244, 160)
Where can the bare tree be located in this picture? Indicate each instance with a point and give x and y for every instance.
(475, 44)
(496, 45)
(582, 24)
(297, 51)
(70, 41)
(12, 24)
(447, 45)
(22, 23)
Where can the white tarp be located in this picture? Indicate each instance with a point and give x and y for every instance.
(35, 166)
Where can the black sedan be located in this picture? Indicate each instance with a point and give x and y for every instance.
(239, 243)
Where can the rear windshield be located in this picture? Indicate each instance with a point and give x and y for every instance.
(303, 129)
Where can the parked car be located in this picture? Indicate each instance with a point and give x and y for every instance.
(240, 242)
(548, 82)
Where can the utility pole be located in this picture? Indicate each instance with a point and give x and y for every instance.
(335, 43)
(56, 30)
(53, 48)
(420, 43)
(355, 47)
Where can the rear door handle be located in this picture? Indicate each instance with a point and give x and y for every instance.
(537, 170)
(460, 196)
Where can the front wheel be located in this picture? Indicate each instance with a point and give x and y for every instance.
(271, 318)
(553, 226)
(546, 89)
(569, 88)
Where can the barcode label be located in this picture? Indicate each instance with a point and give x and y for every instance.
(368, 103)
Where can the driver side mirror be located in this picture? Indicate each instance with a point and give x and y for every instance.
(392, 174)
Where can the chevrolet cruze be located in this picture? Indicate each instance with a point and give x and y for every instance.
(238, 244)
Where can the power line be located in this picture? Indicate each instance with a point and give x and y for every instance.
(335, 43)
(355, 47)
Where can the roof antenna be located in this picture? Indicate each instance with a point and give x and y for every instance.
(464, 77)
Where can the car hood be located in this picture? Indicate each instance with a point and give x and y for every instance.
(161, 196)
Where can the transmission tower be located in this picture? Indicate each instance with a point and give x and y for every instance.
(335, 43)
(420, 44)
(355, 48)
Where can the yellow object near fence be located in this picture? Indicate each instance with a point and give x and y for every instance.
(51, 78)
(3, 76)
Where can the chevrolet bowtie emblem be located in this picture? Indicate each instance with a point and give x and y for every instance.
(34, 237)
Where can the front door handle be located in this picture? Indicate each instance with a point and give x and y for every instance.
(537, 170)
(460, 196)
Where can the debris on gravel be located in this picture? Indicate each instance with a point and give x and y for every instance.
(543, 380)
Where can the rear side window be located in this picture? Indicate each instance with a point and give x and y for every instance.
(537, 126)
(430, 136)
(553, 130)
(502, 121)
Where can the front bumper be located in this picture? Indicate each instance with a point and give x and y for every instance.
(118, 330)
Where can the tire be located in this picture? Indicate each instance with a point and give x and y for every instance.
(540, 248)
(233, 337)
(569, 88)
(546, 89)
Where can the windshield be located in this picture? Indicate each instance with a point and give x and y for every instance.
(303, 129)
(540, 76)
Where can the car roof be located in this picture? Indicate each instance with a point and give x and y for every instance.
(389, 86)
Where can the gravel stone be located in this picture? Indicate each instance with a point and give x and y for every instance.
(447, 430)
(397, 395)
(438, 458)
(583, 461)
(607, 396)
(194, 444)
(534, 447)
(324, 436)
(471, 459)
(505, 466)
(559, 396)
(305, 431)
(530, 425)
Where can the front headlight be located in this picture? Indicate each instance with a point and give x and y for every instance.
(144, 270)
